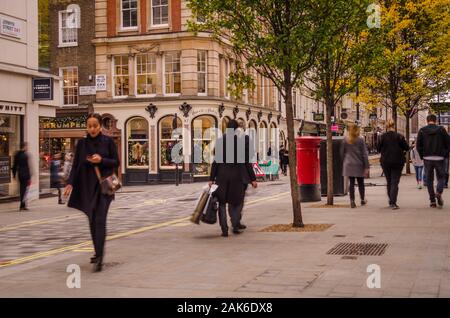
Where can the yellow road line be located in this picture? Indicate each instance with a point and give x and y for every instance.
(84, 245)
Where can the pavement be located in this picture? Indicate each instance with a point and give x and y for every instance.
(154, 251)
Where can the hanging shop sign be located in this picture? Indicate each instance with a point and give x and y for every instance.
(42, 88)
(68, 122)
(318, 117)
(87, 90)
(5, 169)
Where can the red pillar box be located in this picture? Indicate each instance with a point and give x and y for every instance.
(308, 168)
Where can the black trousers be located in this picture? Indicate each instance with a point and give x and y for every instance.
(430, 167)
(361, 188)
(235, 215)
(392, 174)
(97, 224)
(23, 185)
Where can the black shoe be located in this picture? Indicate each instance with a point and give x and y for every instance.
(98, 266)
(24, 209)
(352, 204)
(236, 231)
(60, 202)
(395, 207)
(93, 259)
(225, 234)
(440, 201)
(242, 227)
(433, 205)
(364, 202)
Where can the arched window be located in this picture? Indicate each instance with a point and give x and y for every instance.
(252, 124)
(262, 136)
(273, 142)
(137, 143)
(241, 123)
(203, 143)
(225, 122)
(167, 140)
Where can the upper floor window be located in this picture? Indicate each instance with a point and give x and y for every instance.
(201, 71)
(68, 32)
(69, 85)
(121, 76)
(172, 70)
(146, 74)
(160, 12)
(129, 13)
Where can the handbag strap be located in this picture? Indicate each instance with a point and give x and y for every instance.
(97, 172)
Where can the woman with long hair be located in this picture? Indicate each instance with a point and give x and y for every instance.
(96, 151)
(356, 162)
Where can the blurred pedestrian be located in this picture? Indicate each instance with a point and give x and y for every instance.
(55, 176)
(417, 163)
(67, 168)
(95, 152)
(231, 175)
(392, 147)
(21, 169)
(433, 145)
(355, 162)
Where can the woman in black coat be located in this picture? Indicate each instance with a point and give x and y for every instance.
(232, 176)
(84, 186)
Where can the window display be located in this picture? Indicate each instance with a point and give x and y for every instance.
(137, 143)
(167, 142)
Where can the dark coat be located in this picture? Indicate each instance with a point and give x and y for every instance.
(21, 166)
(86, 195)
(232, 176)
(433, 140)
(392, 147)
(55, 178)
(356, 158)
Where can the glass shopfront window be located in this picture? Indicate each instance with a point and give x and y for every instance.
(9, 145)
(167, 142)
(137, 143)
(203, 144)
(262, 137)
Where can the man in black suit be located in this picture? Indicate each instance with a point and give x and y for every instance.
(232, 173)
(22, 169)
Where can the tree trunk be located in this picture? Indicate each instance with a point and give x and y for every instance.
(408, 168)
(295, 194)
(394, 115)
(330, 188)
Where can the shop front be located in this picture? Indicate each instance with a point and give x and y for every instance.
(11, 134)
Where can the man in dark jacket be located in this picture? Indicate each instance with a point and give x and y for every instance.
(232, 173)
(21, 168)
(433, 146)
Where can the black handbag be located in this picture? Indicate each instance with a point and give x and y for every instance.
(108, 185)
(210, 214)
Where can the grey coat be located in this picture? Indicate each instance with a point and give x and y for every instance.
(355, 158)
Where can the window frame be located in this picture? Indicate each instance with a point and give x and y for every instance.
(61, 73)
(164, 75)
(128, 139)
(130, 28)
(160, 140)
(113, 77)
(60, 32)
(146, 74)
(162, 25)
(202, 72)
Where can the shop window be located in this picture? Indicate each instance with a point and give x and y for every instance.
(68, 33)
(273, 142)
(172, 70)
(137, 143)
(121, 75)
(70, 85)
(167, 141)
(146, 74)
(129, 13)
(203, 144)
(160, 12)
(225, 122)
(201, 72)
(262, 137)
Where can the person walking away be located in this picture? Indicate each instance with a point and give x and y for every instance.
(392, 147)
(433, 145)
(55, 177)
(231, 175)
(67, 168)
(355, 162)
(418, 164)
(21, 169)
(280, 158)
(96, 150)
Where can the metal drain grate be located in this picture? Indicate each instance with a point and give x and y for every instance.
(369, 249)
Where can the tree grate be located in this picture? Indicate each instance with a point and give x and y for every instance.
(367, 249)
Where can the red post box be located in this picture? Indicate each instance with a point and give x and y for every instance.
(308, 168)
